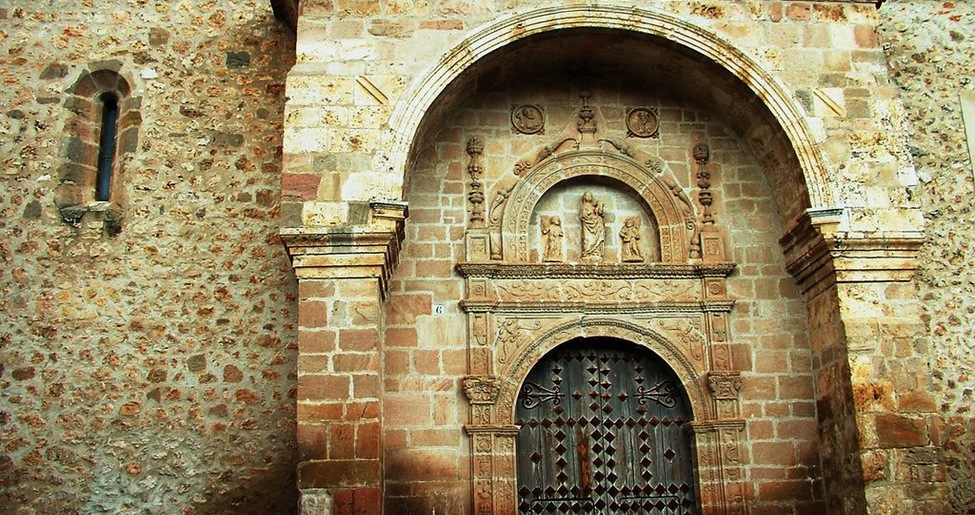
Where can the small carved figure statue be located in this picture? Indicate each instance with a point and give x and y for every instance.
(630, 251)
(551, 238)
(593, 229)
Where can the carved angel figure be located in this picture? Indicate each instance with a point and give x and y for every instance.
(593, 229)
(551, 238)
(630, 251)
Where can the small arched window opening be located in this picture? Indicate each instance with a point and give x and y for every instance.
(106, 146)
(101, 132)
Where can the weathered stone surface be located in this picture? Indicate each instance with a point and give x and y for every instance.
(930, 48)
(113, 350)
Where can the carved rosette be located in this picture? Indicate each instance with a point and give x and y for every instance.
(641, 122)
(527, 119)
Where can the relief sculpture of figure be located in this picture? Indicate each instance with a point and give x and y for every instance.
(593, 228)
(630, 251)
(551, 238)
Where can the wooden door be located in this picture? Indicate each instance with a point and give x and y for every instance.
(601, 432)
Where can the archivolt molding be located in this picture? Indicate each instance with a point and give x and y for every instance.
(682, 343)
(512, 375)
(408, 116)
(676, 225)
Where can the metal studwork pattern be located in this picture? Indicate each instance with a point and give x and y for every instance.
(601, 432)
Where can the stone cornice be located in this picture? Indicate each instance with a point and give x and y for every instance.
(713, 426)
(349, 251)
(819, 255)
(589, 271)
(498, 429)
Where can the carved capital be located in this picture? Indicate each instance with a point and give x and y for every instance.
(482, 389)
(819, 253)
(368, 249)
(724, 385)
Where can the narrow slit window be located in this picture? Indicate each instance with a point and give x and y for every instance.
(106, 147)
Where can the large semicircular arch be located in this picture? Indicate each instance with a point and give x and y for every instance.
(407, 118)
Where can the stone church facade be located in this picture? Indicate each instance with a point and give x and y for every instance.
(501, 257)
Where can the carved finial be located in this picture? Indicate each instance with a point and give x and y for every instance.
(586, 124)
(702, 153)
(475, 147)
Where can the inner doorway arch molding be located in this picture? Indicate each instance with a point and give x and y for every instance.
(712, 395)
(407, 117)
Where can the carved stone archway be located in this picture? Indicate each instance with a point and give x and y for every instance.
(670, 206)
(424, 94)
(680, 337)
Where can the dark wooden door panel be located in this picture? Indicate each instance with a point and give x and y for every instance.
(601, 432)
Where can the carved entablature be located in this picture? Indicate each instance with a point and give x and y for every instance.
(512, 307)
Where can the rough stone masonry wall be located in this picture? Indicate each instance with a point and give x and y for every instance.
(931, 52)
(152, 371)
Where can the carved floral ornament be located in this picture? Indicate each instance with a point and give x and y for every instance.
(481, 389)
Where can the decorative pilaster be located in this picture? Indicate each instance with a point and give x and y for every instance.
(493, 468)
(475, 195)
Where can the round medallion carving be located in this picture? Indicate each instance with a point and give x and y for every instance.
(527, 119)
(642, 123)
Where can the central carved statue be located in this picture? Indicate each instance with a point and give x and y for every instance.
(593, 228)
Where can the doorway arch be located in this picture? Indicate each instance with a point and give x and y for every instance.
(601, 429)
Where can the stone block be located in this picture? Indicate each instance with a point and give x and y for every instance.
(338, 473)
(317, 387)
(897, 431)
